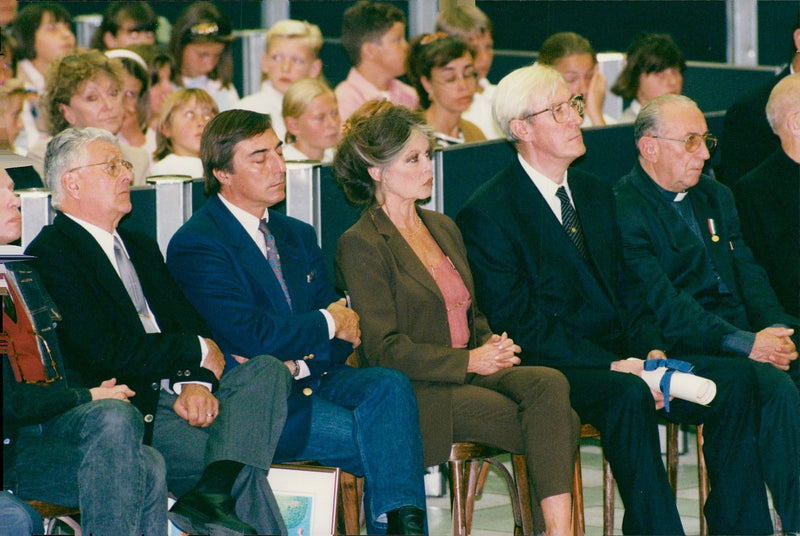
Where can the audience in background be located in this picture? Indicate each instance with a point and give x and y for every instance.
(442, 70)
(180, 127)
(654, 66)
(201, 44)
(292, 53)
(374, 36)
(85, 90)
(470, 24)
(43, 32)
(573, 56)
(135, 97)
(311, 115)
(747, 137)
(8, 12)
(125, 24)
(160, 69)
(768, 198)
(12, 100)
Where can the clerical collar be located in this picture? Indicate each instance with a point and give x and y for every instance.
(672, 197)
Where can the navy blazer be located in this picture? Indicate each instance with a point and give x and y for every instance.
(100, 333)
(231, 284)
(670, 260)
(531, 280)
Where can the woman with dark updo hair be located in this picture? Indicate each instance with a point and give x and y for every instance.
(408, 278)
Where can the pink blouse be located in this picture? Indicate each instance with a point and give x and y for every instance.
(456, 299)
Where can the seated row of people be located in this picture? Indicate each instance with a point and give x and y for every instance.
(574, 276)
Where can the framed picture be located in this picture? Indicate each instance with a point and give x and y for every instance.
(306, 497)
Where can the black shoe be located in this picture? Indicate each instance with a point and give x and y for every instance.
(406, 520)
(208, 513)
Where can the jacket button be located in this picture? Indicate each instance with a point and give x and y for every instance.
(148, 417)
(307, 391)
(180, 373)
(187, 373)
(154, 386)
(309, 356)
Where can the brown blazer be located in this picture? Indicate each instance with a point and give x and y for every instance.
(404, 318)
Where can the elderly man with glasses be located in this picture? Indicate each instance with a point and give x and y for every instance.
(681, 240)
(546, 258)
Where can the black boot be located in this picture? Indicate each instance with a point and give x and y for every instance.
(406, 520)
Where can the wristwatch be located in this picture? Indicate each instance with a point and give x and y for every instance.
(296, 371)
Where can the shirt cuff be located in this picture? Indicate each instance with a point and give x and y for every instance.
(305, 372)
(203, 350)
(178, 387)
(331, 323)
(739, 342)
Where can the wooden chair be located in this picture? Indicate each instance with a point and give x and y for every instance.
(466, 463)
(52, 513)
(587, 430)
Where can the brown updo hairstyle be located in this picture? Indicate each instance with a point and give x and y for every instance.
(374, 136)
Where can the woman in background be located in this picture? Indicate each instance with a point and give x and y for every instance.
(135, 97)
(654, 67)
(311, 115)
(407, 274)
(442, 70)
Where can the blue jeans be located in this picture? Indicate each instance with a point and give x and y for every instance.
(366, 422)
(92, 457)
(17, 518)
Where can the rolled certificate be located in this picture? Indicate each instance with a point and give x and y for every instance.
(682, 385)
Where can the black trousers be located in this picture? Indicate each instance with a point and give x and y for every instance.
(621, 406)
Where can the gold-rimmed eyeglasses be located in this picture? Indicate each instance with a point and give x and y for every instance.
(693, 142)
(113, 167)
(560, 110)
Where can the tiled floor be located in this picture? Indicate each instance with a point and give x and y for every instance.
(493, 512)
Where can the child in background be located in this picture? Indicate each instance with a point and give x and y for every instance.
(125, 24)
(470, 24)
(201, 44)
(160, 69)
(42, 32)
(12, 99)
(374, 36)
(181, 125)
(311, 114)
(292, 53)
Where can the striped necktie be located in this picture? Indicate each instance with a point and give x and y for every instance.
(274, 259)
(570, 222)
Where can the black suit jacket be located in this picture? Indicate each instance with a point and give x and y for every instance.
(670, 261)
(768, 200)
(747, 139)
(101, 334)
(532, 282)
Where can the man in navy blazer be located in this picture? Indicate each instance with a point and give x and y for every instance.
(560, 291)
(681, 239)
(259, 280)
(217, 433)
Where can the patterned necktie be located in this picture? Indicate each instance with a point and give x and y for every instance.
(274, 259)
(570, 222)
(131, 281)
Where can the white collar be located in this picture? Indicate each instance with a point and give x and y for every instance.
(248, 221)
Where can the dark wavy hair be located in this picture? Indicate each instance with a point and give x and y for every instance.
(140, 13)
(28, 20)
(202, 22)
(427, 51)
(374, 135)
(649, 53)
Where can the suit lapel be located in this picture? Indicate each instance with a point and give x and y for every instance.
(249, 255)
(406, 259)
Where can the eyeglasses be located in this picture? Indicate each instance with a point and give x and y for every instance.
(561, 110)
(694, 141)
(114, 168)
(469, 76)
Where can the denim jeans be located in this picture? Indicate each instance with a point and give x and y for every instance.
(366, 422)
(92, 457)
(17, 518)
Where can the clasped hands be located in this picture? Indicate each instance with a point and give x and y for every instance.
(774, 346)
(497, 353)
(636, 366)
(346, 321)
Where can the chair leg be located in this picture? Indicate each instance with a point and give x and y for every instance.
(672, 456)
(578, 521)
(349, 503)
(608, 499)
(702, 480)
(457, 498)
(474, 468)
(523, 493)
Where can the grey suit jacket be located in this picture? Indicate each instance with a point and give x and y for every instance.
(403, 316)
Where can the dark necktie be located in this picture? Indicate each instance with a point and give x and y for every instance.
(274, 259)
(570, 222)
(130, 279)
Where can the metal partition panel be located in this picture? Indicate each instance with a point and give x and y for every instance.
(302, 192)
(253, 43)
(36, 213)
(173, 206)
